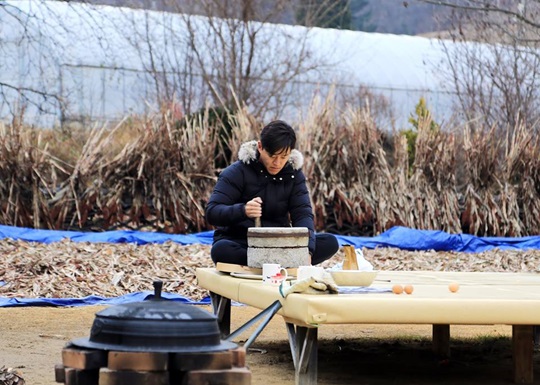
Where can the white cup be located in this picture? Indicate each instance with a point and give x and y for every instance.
(273, 273)
(304, 272)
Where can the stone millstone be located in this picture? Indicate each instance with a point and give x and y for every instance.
(287, 257)
(287, 246)
(278, 236)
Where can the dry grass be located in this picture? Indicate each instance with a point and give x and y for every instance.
(432, 192)
(157, 173)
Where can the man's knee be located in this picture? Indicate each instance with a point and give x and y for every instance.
(228, 251)
(325, 247)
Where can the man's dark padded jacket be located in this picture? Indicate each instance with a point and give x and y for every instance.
(285, 197)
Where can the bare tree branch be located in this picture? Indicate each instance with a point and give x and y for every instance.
(494, 61)
(32, 90)
(484, 6)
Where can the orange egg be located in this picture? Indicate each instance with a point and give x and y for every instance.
(408, 289)
(397, 289)
(453, 287)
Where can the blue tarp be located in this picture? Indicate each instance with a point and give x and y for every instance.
(398, 237)
(411, 239)
(93, 300)
(119, 236)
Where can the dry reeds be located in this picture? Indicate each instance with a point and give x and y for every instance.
(24, 177)
(158, 172)
(431, 188)
(339, 155)
(529, 189)
(500, 172)
(159, 178)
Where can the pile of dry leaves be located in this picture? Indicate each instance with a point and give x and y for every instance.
(76, 269)
(9, 376)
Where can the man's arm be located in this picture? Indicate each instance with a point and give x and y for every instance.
(300, 208)
(225, 207)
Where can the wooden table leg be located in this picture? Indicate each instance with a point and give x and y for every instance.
(304, 349)
(441, 340)
(522, 353)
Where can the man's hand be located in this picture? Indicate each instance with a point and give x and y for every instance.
(254, 208)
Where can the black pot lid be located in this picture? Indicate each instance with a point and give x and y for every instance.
(155, 325)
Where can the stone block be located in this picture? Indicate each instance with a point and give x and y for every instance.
(196, 361)
(138, 361)
(73, 357)
(287, 257)
(234, 376)
(130, 377)
(239, 357)
(59, 373)
(81, 377)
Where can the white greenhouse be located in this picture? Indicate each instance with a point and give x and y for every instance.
(74, 61)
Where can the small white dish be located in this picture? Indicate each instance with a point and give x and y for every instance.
(353, 277)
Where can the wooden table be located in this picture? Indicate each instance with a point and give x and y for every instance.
(482, 299)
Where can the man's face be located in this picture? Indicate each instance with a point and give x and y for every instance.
(273, 162)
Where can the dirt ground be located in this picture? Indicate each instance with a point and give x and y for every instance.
(31, 340)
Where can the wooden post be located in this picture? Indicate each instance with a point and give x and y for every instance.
(522, 353)
(441, 340)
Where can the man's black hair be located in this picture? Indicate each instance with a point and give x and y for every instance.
(277, 136)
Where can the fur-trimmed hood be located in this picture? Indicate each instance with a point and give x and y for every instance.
(248, 153)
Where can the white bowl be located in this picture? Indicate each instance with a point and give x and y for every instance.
(353, 277)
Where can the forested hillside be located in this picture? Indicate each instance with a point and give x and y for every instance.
(386, 16)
